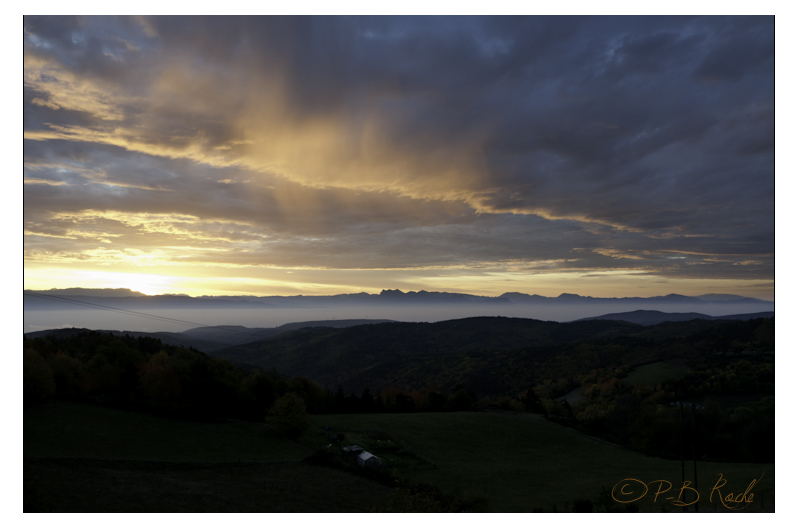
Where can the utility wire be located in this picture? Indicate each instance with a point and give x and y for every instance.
(131, 312)
(111, 308)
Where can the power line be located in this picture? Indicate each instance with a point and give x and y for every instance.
(131, 312)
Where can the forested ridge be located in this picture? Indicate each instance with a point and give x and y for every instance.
(470, 364)
(490, 355)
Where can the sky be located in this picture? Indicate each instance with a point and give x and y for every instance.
(603, 156)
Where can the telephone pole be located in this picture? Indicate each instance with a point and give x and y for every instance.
(695, 464)
(681, 449)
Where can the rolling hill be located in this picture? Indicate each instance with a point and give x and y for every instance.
(494, 354)
(211, 338)
(654, 317)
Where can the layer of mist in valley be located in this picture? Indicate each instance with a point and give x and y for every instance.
(259, 317)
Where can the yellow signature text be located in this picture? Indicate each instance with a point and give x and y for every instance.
(632, 489)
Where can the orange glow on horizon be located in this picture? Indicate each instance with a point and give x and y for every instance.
(309, 282)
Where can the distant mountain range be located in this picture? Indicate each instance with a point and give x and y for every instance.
(523, 298)
(91, 292)
(128, 299)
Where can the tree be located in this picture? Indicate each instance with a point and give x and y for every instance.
(160, 383)
(289, 415)
(68, 375)
(257, 393)
(462, 399)
(404, 403)
(340, 403)
(532, 402)
(38, 382)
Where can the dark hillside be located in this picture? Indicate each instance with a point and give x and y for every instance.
(237, 335)
(491, 355)
(167, 338)
(210, 338)
(364, 355)
(615, 380)
(654, 317)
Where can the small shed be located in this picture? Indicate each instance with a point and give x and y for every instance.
(352, 451)
(366, 459)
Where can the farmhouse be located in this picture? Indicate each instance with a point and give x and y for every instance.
(366, 459)
(363, 458)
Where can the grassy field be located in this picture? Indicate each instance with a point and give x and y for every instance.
(82, 458)
(655, 373)
(519, 462)
(70, 430)
(86, 458)
(90, 485)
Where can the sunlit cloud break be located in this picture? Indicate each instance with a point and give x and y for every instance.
(606, 156)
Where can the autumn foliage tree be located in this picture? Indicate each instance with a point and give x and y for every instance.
(289, 415)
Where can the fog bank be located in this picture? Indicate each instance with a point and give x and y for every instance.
(259, 317)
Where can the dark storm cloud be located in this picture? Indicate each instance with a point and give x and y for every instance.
(606, 142)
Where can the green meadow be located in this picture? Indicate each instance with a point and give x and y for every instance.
(655, 373)
(70, 430)
(519, 462)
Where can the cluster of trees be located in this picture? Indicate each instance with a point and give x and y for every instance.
(646, 418)
(392, 399)
(497, 373)
(730, 375)
(143, 373)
